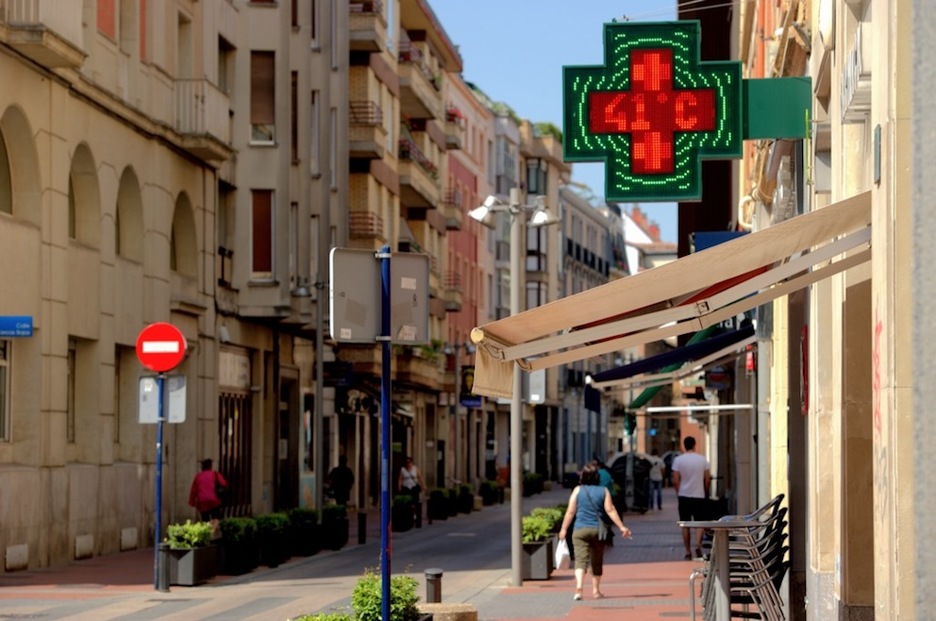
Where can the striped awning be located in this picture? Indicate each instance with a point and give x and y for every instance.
(687, 295)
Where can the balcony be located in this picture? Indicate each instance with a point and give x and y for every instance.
(453, 292)
(452, 210)
(419, 88)
(368, 26)
(454, 128)
(203, 118)
(419, 178)
(367, 133)
(419, 365)
(46, 31)
(365, 225)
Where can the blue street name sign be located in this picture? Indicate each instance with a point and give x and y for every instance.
(16, 326)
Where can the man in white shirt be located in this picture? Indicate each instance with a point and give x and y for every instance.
(692, 479)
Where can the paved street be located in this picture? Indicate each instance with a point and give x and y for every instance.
(645, 578)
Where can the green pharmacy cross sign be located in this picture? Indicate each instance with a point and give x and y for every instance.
(654, 110)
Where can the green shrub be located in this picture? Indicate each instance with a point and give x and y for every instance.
(272, 524)
(553, 515)
(535, 528)
(403, 500)
(330, 513)
(238, 529)
(367, 598)
(189, 535)
(302, 519)
(325, 616)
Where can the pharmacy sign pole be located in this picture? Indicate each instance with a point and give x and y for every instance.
(160, 347)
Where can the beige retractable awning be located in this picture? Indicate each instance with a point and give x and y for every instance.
(687, 295)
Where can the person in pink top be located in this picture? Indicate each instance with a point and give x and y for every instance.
(204, 493)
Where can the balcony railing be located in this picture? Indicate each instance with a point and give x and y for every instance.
(451, 209)
(409, 151)
(203, 111)
(410, 54)
(365, 113)
(47, 31)
(365, 225)
(368, 28)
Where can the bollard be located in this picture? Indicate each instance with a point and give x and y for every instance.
(162, 569)
(362, 527)
(433, 585)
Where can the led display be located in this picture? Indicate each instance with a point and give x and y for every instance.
(652, 111)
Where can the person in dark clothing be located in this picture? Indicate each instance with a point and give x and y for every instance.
(585, 503)
(340, 481)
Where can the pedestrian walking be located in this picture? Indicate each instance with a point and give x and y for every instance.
(410, 482)
(586, 504)
(205, 494)
(655, 480)
(340, 480)
(691, 478)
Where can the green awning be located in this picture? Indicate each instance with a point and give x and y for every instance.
(650, 393)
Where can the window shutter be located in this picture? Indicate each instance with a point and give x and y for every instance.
(262, 88)
(262, 256)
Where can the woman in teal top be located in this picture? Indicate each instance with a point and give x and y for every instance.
(585, 504)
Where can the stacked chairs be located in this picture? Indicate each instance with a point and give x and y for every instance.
(757, 565)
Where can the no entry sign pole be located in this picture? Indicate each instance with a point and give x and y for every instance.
(160, 347)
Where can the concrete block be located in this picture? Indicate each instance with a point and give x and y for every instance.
(128, 538)
(450, 612)
(17, 557)
(84, 546)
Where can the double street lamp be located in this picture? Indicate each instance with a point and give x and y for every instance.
(521, 216)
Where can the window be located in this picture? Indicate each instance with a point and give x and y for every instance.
(70, 396)
(71, 208)
(107, 18)
(225, 65)
(314, 135)
(333, 148)
(6, 181)
(313, 26)
(5, 347)
(261, 259)
(262, 97)
(294, 116)
(293, 244)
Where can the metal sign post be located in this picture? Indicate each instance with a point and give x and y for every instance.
(160, 347)
(357, 287)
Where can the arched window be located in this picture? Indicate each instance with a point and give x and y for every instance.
(183, 248)
(84, 220)
(6, 180)
(129, 220)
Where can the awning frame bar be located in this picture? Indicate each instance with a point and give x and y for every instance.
(700, 309)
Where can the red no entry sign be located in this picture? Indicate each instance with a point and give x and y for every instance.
(160, 347)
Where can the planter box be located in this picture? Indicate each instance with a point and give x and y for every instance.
(335, 532)
(402, 518)
(537, 560)
(192, 566)
(238, 557)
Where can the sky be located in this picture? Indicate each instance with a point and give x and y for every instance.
(514, 51)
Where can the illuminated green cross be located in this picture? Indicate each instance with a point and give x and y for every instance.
(652, 111)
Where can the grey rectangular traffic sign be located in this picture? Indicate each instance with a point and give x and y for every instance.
(355, 296)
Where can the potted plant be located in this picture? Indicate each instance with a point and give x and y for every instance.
(239, 548)
(366, 600)
(465, 498)
(335, 526)
(437, 508)
(401, 513)
(537, 547)
(192, 559)
(303, 531)
(488, 493)
(273, 536)
(451, 497)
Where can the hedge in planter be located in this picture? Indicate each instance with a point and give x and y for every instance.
(192, 559)
(401, 513)
(240, 552)
(465, 499)
(367, 598)
(273, 535)
(303, 531)
(438, 505)
(488, 493)
(335, 526)
(537, 561)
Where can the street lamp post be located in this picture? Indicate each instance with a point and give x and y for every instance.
(538, 215)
